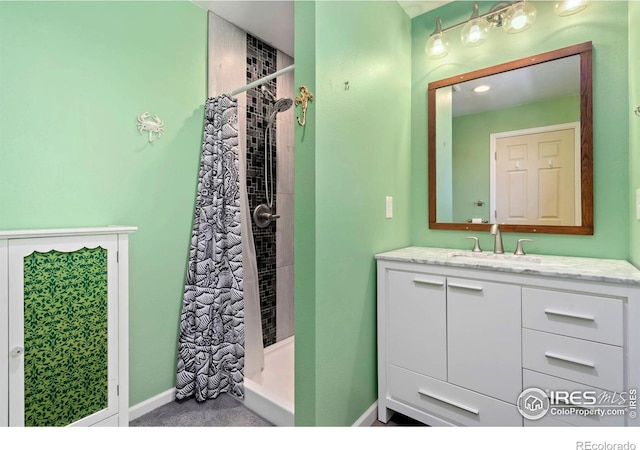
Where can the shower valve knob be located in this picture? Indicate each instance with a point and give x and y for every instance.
(262, 216)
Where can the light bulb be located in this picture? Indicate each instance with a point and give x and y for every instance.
(519, 17)
(474, 34)
(519, 20)
(475, 30)
(437, 45)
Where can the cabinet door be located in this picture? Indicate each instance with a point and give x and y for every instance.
(484, 337)
(63, 328)
(417, 323)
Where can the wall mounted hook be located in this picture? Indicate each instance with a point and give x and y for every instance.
(637, 111)
(346, 86)
(304, 97)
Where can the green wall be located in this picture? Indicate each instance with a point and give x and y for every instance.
(355, 150)
(634, 128)
(305, 220)
(472, 146)
(73, 78)
(605, 24)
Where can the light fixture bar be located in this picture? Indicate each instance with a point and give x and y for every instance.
(487, 14)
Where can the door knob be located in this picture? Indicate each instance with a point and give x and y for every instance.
(17, 351)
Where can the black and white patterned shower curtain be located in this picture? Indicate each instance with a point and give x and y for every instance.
(211, 344)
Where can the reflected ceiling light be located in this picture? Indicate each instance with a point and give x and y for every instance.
(437, 45)
(475, 31)
(519, 17)
(568, 7)
(481, 88)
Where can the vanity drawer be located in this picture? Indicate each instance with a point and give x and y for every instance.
(587, 362)
(450, 402)
(582, 316)
(547, 382)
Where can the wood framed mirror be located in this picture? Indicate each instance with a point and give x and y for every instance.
(520, 153)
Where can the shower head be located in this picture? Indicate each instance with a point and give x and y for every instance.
(281, 105)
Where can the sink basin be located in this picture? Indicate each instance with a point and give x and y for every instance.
(497, 257)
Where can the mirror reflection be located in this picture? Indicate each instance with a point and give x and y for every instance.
(508, 147)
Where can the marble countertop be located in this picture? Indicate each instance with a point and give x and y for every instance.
(593, 269)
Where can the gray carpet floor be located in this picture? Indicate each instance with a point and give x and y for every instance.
(224, 411)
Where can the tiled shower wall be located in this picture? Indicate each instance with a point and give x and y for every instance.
(284, 197)
(235, 59)
(261, 61)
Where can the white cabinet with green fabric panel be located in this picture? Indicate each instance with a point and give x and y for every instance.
(64, 313)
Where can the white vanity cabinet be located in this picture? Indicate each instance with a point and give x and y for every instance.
(459, 340)
(64, 312)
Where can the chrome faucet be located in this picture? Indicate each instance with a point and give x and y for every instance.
(495, 230)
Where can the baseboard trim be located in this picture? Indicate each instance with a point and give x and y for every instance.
(365, 420)
(149, 405)
(368, 417)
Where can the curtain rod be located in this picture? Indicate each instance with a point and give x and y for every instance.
(261, 80)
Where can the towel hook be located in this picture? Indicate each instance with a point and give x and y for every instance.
(304, 97)
(637, 111)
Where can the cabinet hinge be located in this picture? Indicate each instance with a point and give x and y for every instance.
(117, 389)
(117, 257)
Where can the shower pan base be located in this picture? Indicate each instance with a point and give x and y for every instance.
(270, 394)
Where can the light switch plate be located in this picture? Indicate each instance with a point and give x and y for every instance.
(389, 204)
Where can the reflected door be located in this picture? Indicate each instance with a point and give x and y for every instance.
(536, 178)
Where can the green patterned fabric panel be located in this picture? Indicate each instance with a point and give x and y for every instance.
(65, 336)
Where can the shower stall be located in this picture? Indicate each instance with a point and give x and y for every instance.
(243, 65)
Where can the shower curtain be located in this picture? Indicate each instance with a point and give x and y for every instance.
(212, 329)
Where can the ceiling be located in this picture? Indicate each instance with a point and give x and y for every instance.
(415, 8)
(552, 79)
(272, 20)
(269, 20)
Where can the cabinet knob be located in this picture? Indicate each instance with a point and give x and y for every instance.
(17, 351)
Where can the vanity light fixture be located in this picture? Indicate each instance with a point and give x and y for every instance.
(513, 17)
(437, 45)
(569, 7)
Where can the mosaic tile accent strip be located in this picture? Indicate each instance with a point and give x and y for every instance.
(261, 61)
